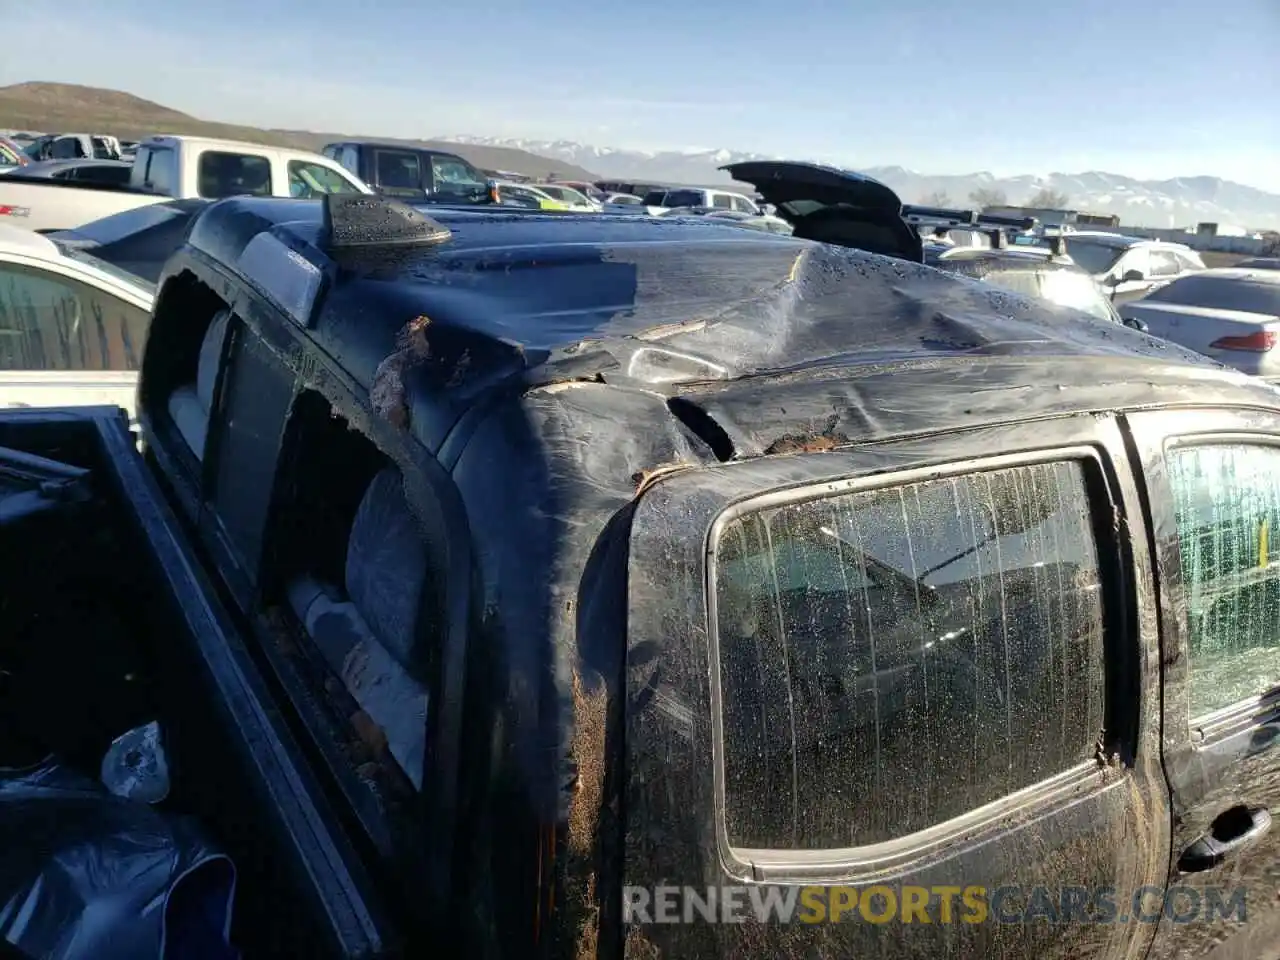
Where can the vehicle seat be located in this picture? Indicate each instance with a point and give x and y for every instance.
(190, 405)
(367, 633)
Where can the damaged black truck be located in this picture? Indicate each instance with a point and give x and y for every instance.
(497, 585)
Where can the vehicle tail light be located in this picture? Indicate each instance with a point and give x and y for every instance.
(1260, 341)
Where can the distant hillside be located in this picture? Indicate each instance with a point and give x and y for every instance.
(70, 108)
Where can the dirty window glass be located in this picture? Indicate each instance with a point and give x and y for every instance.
(1025, 282)
(891, 659)
(50, 322)
(1227, 500)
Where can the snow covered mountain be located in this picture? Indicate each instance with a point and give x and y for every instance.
(666, 166)
(1152, 203)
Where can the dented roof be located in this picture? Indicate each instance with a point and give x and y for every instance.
(545, 298)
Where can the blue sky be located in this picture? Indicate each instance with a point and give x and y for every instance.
(1148, 88)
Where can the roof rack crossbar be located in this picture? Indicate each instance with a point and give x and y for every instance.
(939, 216)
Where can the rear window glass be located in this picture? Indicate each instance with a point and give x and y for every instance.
(685, 198)
(118, 175)
(1067, 288)
(1092, 256)
(233, 175)
(891, 659)
(157, 169)
(1025, 282)
(399, 171)
(1222, 293)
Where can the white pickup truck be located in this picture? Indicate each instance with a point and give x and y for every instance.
(174, 168)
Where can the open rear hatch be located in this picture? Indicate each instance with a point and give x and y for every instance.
(833, 206)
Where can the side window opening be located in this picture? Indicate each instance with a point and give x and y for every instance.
(349, 572)
(946, 634)
(309, 180)
(1164, 264)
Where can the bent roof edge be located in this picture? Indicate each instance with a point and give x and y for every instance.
(664, 302)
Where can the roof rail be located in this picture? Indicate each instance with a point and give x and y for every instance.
(945, 217)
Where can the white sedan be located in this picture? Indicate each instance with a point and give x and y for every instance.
(72, 327)
(1229, 314)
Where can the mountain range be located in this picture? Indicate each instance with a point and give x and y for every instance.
(1159, 203)
(1182, 201)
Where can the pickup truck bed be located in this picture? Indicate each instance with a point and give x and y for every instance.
(110, 624)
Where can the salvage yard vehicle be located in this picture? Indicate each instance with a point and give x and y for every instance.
(72, 326)
(1045, 272)
(667, 199)
(72, 146)
(168, 168)
(1032, 274)
(489, 571)
(1130, 267)
(529, 195)
(1258, 263)
(12, 155)
(1231, 314)
(412, 174)
(573, 199)
(96, 171)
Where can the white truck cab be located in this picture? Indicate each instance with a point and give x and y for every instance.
(175, 168)
(659, 201)
(183, 167)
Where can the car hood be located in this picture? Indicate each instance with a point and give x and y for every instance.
(784, 181)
